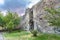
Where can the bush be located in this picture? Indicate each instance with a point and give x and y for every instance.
(34, 32)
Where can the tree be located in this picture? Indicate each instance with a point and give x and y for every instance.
(12, 20)
(1, 20)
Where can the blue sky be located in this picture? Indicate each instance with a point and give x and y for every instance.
(18, 6)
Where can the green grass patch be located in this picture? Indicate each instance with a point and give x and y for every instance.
(23, 35)
(47, 37)
(15, 34)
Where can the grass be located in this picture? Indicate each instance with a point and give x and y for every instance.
(28, 36)
(15, 35)
(47, 37)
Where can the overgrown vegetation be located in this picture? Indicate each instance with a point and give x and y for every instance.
(53, 16)
(10, 21)
(34, 32)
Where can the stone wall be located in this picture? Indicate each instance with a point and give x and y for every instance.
(40, 23)
(39, 13)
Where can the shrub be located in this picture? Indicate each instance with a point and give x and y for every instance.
(34, 32)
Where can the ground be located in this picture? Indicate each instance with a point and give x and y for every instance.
(28, 36)
(1, 36)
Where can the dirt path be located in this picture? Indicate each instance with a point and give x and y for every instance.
(1, 36)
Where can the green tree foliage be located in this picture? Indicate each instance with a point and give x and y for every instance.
(10, 21)
(1, 20)
(53, 16)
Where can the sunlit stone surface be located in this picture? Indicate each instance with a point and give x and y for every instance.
(39, 22)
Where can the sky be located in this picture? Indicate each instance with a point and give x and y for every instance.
(18, 6)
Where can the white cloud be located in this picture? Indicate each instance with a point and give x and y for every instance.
(33, 2)
(22, 14)
(2, 2)
(4, 12)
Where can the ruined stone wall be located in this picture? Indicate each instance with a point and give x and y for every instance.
(40, 23)
(25, 20)
(39, 13)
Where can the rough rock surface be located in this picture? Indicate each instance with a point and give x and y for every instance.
(40, 22)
